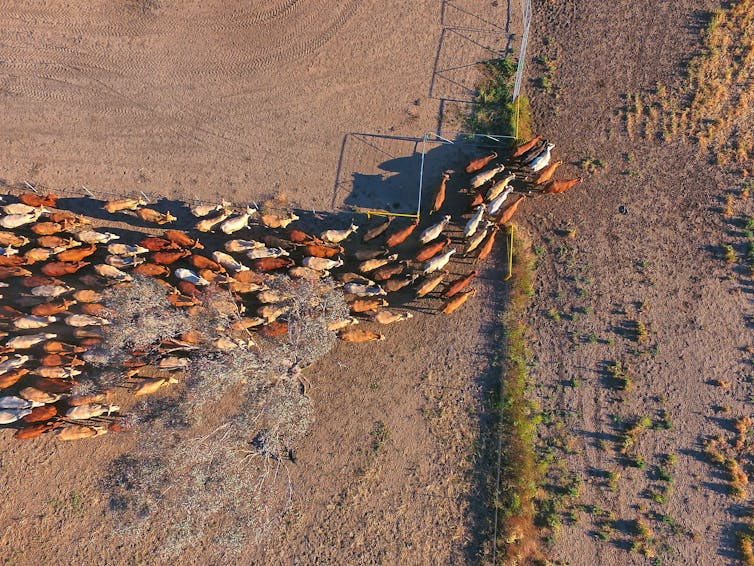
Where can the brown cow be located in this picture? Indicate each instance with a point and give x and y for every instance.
(7, 312)
(455, 287)
(47, 228)
(396, 284)
(431, 249)
(87, 296)
(387, 271)
(35, 430)
(33, 199)
(507, 214)
(151, 270)
(524, 147)
(57, 242)
(51, 385)
(299, 237)
(181, 239)
(14, 260)
(86, 399)
(455, 303)
(476, 199)
(13, 271)
(150, 215)
(248, 276)
(155, 244)
(76, 254)
(402, 235)
(68, 219)
(38, 254)
(11, 239)
(214, 277)
(58, 360)
(39, 280)
(364, 255)
(366, 305)
(61, 268)
(53, 308)
(547, 173)
(39, 414)
(440, 194)
(272, 241)
(57, 347)
(189, 289)
(486, 246)
(201, 262)
(10, 378)
(166, 258)
(271, 263)
(323, 251)
(79, 432)
(123, 204)
(429, 283)
(480, 163)
(559, 186)
(94, 309)
(378, 230)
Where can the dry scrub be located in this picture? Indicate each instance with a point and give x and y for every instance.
(715, 103)
(211, 456)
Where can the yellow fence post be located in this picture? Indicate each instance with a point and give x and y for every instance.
(510, 254)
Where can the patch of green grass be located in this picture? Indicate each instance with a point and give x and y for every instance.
(592, 165)
(516, 491)
(612, 480)
(494, 110)
(380, 436)
(729, 253)
(546, 81)
(619, 374)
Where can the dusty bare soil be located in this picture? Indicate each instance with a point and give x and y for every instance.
(228, 101)
(222, 100)
(657, 261)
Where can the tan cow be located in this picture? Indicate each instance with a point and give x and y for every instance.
(359, 335)
(119, 205)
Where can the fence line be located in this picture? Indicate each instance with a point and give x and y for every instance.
(526, 19)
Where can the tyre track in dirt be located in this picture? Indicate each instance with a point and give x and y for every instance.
(134, 26)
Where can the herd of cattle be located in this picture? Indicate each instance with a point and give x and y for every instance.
(54, 266)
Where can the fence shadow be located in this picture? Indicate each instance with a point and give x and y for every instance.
(467, 39)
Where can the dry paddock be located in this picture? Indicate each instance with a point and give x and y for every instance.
(216, 100)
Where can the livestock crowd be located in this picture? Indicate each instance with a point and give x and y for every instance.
(54, 267)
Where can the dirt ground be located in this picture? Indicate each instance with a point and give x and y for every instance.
(657, 261)
(218, 100)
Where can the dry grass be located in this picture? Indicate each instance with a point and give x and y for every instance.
(715, 103)
(516, 490)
